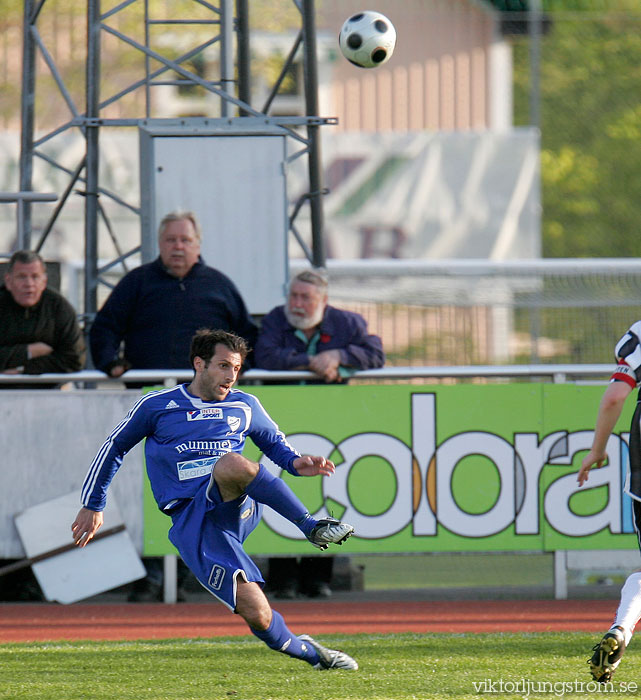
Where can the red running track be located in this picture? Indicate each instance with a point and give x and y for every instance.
(25, 622)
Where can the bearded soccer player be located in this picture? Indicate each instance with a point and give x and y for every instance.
(195, 434)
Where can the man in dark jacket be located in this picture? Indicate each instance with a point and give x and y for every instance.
(148, 322)
(156, 308)
(39, 331)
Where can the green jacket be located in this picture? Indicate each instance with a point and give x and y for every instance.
(53, 321)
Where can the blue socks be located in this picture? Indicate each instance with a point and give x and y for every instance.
(278, 637)
(275, 493)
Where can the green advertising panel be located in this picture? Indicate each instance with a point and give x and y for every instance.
(598, 515)
(444, 468)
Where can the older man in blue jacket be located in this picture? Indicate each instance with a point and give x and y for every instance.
(308, 333)
(150, 317)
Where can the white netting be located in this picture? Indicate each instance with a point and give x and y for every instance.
(478, 312)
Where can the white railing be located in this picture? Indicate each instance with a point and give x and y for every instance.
(557, 373)
(456, 267)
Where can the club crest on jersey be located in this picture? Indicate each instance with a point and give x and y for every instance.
(205, 414)
(233, 422)
(247, 512)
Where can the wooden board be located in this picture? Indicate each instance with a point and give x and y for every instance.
(78, 573)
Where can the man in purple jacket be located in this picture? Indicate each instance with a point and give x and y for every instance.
(308, 333)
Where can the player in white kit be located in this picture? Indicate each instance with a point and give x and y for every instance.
(608, 652)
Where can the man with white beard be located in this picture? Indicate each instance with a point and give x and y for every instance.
(308, 333)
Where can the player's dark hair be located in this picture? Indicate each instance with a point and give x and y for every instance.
(204, 342)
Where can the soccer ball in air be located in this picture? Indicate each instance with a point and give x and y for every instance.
(367, 39)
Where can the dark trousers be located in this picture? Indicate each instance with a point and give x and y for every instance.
(304, 575)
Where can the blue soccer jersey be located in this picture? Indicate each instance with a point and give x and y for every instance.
(185, 436)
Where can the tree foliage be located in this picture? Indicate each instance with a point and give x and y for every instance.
(590, 82)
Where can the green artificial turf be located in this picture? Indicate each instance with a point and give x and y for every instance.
(392, 667)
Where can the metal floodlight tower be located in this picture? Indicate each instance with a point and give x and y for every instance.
(230, 19)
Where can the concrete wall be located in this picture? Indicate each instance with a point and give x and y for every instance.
(48, 440)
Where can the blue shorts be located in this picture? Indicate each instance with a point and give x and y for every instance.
(209, 535)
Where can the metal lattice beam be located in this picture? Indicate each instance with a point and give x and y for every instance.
(228, 19)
